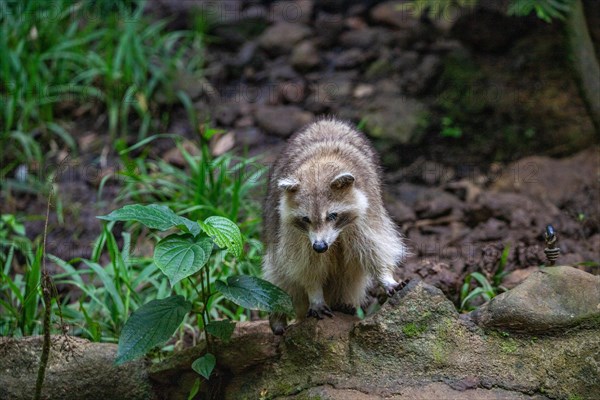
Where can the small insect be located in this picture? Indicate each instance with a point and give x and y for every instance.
(552, 251)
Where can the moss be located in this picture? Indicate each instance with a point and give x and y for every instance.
(439, 352)
(413, 329)
(509, 346)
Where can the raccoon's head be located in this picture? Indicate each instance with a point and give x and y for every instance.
(321, 207)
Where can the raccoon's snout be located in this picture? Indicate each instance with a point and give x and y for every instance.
(320, 246)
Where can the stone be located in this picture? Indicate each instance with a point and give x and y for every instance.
(551, 299)
(363, 90)
(77, 369)
(328, 27)
(539, 177)
(361, 38)
(350, 58)
(391, 13)
(281, 37)
(292, 91)
(398, 119)
(305, 56)
(282, 120)
(249, 136)
(416, 346)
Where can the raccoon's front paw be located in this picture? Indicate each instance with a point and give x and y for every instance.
(319, 310)
(392, 288)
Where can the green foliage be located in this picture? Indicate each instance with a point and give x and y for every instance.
(20, 274)
(153, 216)
(449, 129)
(486, 289)
(110, 291)
(151, 324)
(204, 365)
(206, 186)
(546, 10)
(83, 57)
(183, 256)
(225, 234)
(256, 294)
(179, 256)
(436, 8)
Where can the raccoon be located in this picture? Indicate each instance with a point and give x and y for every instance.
(327, 234)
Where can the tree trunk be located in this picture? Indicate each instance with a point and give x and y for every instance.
(584, 61)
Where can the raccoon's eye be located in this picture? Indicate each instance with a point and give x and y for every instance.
(331, 217)
(306, 219)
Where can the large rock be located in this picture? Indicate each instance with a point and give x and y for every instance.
(554, 298)
(417, 340)
(77, 369)
(560, 182)
(416, 347)
(397, 119)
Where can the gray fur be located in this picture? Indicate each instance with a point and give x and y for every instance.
(326, 186)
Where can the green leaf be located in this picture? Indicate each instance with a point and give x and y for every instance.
(224, 232)
(180, 256)
(204, 365)
(154, 216)
(194, 390)
(255, 294)
(222, 329)
(150, 325)
(476, 292)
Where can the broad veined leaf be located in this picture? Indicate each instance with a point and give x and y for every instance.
(180, 256)
(255, 294)
(150, 325)
(224, 232)
(221, 329)
(204, 365)
(154, 216)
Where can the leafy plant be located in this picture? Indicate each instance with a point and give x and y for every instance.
(225, 185)
(546, 10)
(486, 289)
(81, 57)
(110, 291)
(20, 274)
(183, 256)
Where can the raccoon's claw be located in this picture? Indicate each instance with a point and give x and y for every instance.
(317, 311)
(392, 289)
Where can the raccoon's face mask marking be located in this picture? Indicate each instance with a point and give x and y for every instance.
(321, 213)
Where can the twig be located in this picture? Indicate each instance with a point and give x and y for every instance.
(47, 295)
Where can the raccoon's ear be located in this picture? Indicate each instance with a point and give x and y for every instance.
(288, 184)
(342, 181)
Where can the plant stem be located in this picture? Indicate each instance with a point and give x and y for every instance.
(205, 296)
(46, 294)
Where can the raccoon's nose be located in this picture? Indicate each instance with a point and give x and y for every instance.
(320, 246)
